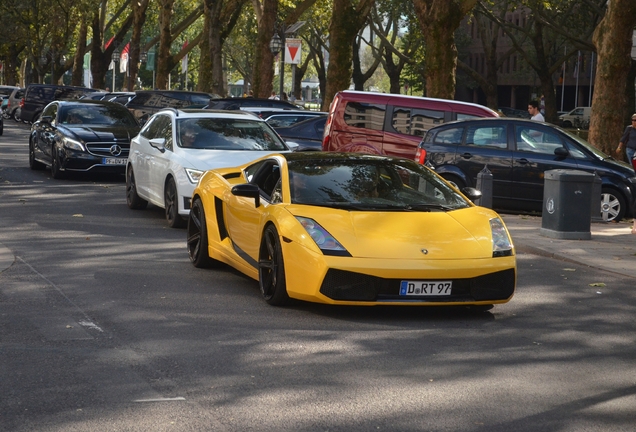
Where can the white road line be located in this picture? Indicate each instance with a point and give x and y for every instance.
(160, 400)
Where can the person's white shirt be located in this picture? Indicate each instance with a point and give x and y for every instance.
(538, 117)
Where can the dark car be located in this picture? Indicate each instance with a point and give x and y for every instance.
(147, 102)
(37, 96)
(238, 103)
(517, 152)
(513, 112)
(285, 118)
(307, 134)
(83, 135)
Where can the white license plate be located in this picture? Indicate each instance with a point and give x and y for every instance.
(114, 161)
(425, 288)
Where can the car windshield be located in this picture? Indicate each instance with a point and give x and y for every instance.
(370, 184)
(227, 134)
(96, 114)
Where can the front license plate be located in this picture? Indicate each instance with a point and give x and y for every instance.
(425, 288)
(114, 161)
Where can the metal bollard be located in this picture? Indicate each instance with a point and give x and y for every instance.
(484, 184)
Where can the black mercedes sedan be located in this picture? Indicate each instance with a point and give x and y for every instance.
(82, 135)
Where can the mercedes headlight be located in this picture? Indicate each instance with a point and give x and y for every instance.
(72, 144)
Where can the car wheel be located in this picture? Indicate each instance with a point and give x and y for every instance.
(133, 200)
(455, 181)
(171, 203)
(197, 239)
(16, 117)
(33, 164)
(613, 205)
(56, 167)
(271, 269)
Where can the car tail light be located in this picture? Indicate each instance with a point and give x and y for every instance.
(325, 143)
(21, 102)
(420, 155)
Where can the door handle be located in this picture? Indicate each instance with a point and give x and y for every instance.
(467, 155)
(523, 161)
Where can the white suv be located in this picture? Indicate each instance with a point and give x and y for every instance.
(175, 147)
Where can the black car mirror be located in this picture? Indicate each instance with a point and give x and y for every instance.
(471, 193)
(561, 152)
(46, 119)
(248, 190)
(159, 144)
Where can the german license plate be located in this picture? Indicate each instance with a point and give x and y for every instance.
(114, 161)
(425, 288)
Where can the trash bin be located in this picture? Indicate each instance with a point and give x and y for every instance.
(567, 204)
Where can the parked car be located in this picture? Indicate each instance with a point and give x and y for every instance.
(175, 147)
(341, 228)
(80, 136)
(120, 97)
(238, 103)
(517, 152)
(13, 104)
(578, 117)
(285, 118)
(307, 134)
(37, 96)
(390, 124)
(5, 91)
(145, 103)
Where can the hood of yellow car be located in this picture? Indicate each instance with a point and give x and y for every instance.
(459, 234)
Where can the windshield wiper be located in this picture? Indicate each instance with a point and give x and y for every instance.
(428, 207)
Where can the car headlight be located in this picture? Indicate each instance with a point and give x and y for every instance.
(501, 243)
(72, 144)
(325, 241)
(194, 175)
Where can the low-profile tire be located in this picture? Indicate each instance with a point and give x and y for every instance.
(171, 204)
(15, 116)
(197, 239)
(33, 164)
(133, 200)
(271, 269)
(56, 168)
(455, 181)
(613, 205)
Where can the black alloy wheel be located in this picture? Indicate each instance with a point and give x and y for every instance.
(171, 203)
(197, 238)
(455, 181)
(271, 269)
(133, 200)
(56, 168)
(33, 164)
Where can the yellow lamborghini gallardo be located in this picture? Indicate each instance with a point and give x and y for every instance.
(351, 229)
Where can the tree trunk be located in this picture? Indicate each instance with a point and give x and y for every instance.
(164, 60)
(77, 77)
(613, 41)
(438, 20)
(263, 70)
(139, 18)
(99, 64)
(346, 21)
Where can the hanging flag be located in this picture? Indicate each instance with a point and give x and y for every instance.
(111, 66)
(576, 67)
(123, 58)
(184, 60)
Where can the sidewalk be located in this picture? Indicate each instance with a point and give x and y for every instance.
(612, 246)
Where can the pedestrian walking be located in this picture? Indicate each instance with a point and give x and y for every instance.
(535, 112)
(628, 140)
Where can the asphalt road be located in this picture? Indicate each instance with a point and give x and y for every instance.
(106, 326)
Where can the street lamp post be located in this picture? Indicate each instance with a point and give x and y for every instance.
(115, 59)
(276, 45)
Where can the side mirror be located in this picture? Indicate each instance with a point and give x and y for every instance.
(46, 119)
(248, 190)
(293, 146)
(159, 144)
(471, 193)
(561, 152)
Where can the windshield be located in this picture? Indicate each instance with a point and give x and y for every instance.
(95, 114)
(371, 184)
(589, 147)
(227, 134)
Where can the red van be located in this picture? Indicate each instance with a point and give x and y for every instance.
(390, 124)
